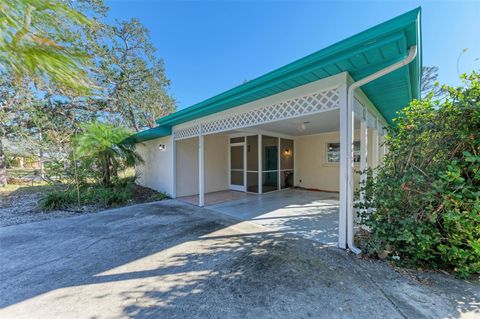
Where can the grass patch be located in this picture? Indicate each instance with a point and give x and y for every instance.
(18, 189)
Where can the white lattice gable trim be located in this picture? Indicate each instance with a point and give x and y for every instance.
(372, 114)
(188, 132)
(300, 106)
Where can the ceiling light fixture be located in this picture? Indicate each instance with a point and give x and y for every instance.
(303, 126)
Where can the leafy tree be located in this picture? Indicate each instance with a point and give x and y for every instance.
(40, 110)
(427, 193)
(102, 145)
(133, 78)
(39, 52)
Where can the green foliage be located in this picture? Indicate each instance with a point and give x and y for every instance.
(57, 200)
(427, 192)
(158, 197)
(61, 65)
(122, 192)
(102, 145)
(35, 43)
(133, 77)
(92, 195)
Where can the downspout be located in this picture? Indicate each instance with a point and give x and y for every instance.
(412, 53)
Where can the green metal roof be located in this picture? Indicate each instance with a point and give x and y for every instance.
(149, 134)
(359, 55)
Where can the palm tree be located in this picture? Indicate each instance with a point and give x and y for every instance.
(104, 144)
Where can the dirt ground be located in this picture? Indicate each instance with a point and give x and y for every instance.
(174, 260)
(18, 205)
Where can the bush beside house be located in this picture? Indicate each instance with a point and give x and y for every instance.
(427, 192)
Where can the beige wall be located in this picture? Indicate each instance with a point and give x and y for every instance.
(187, 167)
(312, 169)
(156, 171)
(216, 164)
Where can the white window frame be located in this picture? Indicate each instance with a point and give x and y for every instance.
(327, 162)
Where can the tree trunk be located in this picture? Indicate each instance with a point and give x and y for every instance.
(42, 169)
(106, 171)
(3, 166)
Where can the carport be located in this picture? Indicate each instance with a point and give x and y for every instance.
(309, 214)
(283, 175)
(310, 124)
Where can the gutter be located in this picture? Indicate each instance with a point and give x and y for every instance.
(412, 53)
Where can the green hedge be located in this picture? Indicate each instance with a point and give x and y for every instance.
(427, 191)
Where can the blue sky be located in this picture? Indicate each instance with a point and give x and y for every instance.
(212, 46)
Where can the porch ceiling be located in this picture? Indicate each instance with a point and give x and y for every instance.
(312, 124)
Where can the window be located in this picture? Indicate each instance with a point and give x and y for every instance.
(240, 139)
(333, 152)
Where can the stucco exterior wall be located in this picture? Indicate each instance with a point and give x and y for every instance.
(187, 167)
(312, 169)
(157, 170)
(216, 164)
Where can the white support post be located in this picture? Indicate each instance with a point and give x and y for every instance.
(278, 163)
(344, 151)
(260, 174)
(201, 169)
(375, 143)
(350, 123)
(350, 168)
(174, 168)
(363, 152)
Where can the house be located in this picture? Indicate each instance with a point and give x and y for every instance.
(309, 124)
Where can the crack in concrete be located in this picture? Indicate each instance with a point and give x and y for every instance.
(370, 278)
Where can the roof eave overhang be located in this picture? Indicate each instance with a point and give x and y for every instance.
(388, 31)
(150, 134)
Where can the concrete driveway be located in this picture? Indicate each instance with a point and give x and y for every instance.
(174, 260)
(309, 214)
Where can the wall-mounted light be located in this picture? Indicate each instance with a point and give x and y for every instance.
(287, 152)
(162, 147)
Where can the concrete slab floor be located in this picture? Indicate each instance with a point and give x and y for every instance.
(215, 197)
(310, 214)
(175, 260)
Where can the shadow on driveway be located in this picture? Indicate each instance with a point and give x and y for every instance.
(174, 260)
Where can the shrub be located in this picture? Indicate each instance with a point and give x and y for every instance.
(123, 191)
(57, 200)
(426, 193)
(158, 197)
(105, 148)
